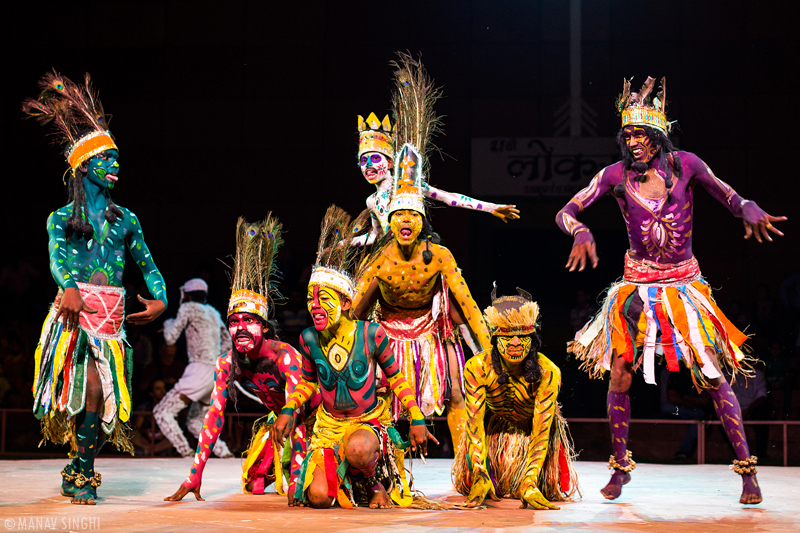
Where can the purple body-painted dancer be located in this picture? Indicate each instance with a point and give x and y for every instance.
(662, 288)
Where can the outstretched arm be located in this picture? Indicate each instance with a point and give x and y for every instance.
(584, 245)
(543, 414)
(451, 275)
(212, 426)
(302, 391)
(475, 380)
(503, 212)
(366, 291)
(756, 221)
(152, 277)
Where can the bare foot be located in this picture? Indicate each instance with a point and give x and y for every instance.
(379, 499)
(84, 497)
(751, 492)
(613, 490)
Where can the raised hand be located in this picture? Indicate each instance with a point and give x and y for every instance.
(183, 491)
(506, 212)
(153, 308)
(419, 436)
(70, 306)
(582, 248)
(534, 497)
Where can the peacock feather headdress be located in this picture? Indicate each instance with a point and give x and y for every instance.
(254, 270)
(79, 121)
(416, 123)
(337, 256)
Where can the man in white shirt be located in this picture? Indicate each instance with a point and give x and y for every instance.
(207, 338)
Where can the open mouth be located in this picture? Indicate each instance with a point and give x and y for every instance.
(514, 354)
(637, 152)
(112, 177)
(243, 339)
(405, 232)
(319, 317)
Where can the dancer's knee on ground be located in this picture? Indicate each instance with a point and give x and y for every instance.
(317, 495)
(362, 449)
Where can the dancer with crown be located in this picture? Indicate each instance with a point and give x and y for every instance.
(416, 283)
(355, 455)
(521, 447)
(262, 365)
(376, 155)
(663, 304)
(82, 383)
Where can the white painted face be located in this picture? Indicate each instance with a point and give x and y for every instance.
(375, 167)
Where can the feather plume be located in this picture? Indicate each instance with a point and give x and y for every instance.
(413, 99)
(72, 109)
(254, 267)
(625, 96)
(335, 249)
(646, 89)
(525, 317)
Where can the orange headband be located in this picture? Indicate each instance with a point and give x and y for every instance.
(89, 146)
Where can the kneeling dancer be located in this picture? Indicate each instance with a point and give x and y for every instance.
(663, 304)
(521, 448)
(259, 363)
(82, 383)
(355, 455)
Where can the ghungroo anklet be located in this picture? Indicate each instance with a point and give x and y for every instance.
(95, 481)
(614, 465)
(69, 478)
(745, 466)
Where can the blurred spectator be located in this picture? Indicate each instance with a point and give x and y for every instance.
(167, 367)
(580, 314)
(789, 292)
(737, 314)
(752, 395)
(765, 312)
(680, 398)
(781, 376)
(144, 436)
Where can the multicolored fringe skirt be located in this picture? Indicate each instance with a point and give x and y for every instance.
(418, 338)
(260, 459)
(326, 456)
(661, 308)
(62, 359)
(506, 460)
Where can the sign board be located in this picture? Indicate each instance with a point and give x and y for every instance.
(538, 166)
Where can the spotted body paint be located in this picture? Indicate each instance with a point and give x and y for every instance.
(525, 404)
(659, 221)
(273, 375)
(411, 284)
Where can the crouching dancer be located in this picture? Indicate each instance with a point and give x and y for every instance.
(521, 447)
(355, 454)
(261, 364)
(82, 382)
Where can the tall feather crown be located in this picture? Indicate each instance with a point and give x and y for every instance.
(416, 123)
(254, 269)
(512, 315)
(642, 109)
(375, 135)
(79, 121)
(337, 256)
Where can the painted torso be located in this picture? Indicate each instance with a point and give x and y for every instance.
(659, 222)
(345, 369)
(101, 259)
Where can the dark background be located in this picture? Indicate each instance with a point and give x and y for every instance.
(228, 109)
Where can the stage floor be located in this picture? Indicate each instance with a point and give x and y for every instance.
(660, 498)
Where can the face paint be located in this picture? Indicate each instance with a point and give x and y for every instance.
(247, 331)
(325, 307)
(641, 147)
(375, 167)
(513, 349)
(103, 169)
(406, 226)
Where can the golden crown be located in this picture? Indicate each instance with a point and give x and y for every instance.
(640, 109)
(375, 135)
